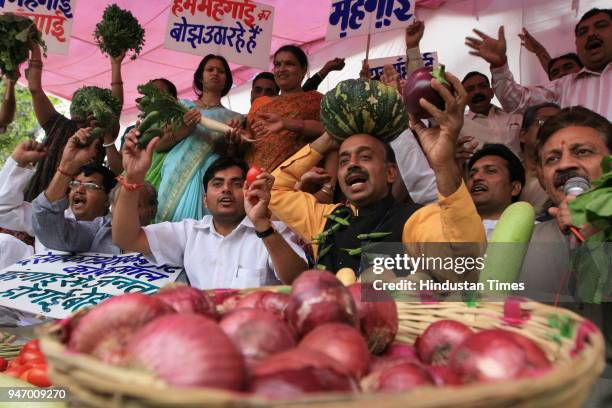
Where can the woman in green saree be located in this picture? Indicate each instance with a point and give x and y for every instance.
(192, 148)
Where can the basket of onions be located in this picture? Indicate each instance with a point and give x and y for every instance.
(319, 343)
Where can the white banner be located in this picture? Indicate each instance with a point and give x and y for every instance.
(352, 18)
(57, 285)
(239, 30)
(53, 18)
(399, 63)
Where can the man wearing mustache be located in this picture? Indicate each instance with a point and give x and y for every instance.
(366, 172)
(569, 144)
(590, 87)
(485, 122)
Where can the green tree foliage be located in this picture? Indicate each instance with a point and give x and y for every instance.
(25, 125)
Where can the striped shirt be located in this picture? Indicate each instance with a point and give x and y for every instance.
(590, 89)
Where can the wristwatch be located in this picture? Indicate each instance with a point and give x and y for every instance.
(266, 233)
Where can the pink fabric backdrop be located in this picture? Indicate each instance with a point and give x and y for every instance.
(302, 22)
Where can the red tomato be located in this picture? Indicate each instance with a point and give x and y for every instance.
(3, 364)
(252, 174)
(37, 376)
(37, 362)
(15, 370)
(31, 345)
(17, 361)
(31, 355)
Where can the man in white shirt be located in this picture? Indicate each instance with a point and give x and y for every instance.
(16, 214)
(485, 122)
(235, 247)
(496, 177)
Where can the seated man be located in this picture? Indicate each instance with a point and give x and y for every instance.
(366, 172)
(495, 180)
(532, 192)
(16, 214)
(235, 247)
(485, 122)
(86, 191)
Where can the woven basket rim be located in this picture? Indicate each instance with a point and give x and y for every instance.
(586, 365)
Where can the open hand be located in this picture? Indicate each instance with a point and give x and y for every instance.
(267, 123)
(488, 48)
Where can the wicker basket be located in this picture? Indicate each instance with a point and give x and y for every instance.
(578, 357)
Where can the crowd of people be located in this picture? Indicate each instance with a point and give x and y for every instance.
(184, 199)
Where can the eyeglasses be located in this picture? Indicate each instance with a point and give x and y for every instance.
(540, 122)
(88, 186)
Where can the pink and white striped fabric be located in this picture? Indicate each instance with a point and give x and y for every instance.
(593, 90)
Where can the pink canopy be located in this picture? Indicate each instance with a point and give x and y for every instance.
(302, 22)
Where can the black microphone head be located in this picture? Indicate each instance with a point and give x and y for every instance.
(576, 186)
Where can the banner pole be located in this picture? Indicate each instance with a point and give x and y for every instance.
(368, 48)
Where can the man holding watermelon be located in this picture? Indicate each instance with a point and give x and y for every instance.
(361, 117)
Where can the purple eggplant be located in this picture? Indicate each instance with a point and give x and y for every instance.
(418, 85)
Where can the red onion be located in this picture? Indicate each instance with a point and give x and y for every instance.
(185, 299)
(257, 333)
(274, 302)
(400, 349)
(442, 375)
(188, 350)
(251, 300)
(105, 331)
(537, 362)
(488, 355)
(343, 343)
(229, 303)
(437, 342)
(398, 378)
(219, 295)
(299, 371)
(377, 316)
(380, 363)
(317, 297)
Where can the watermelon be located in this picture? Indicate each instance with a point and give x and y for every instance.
(357, 106)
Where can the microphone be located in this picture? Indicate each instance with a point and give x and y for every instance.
(576, 186)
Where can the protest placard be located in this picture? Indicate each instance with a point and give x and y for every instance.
(53, 18)
(57, 285)
(399, 64)
(239, 30)
(352, 18)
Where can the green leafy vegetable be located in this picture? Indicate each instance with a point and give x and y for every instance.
(170, 110)
(16, 32)
(119, 31)
(592, 261)
(99, 102)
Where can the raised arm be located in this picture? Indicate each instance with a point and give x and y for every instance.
(43, 108)
(513, 97)
(300, 210)
(287, 263)
(7, 112)
(51, 227)
(116, 80)
(312, 83)
(534, 46)
(127, 231)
